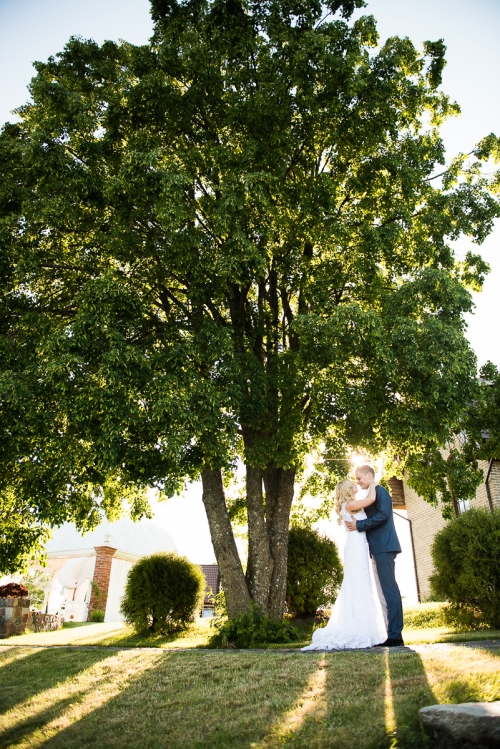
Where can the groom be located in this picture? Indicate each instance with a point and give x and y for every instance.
(384, 545)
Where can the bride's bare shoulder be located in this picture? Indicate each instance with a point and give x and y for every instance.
(345, 512)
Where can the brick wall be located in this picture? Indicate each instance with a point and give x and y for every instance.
(102, 573)
(426, 522)
(15, 616)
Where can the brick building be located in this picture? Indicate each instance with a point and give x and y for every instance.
(426, 520)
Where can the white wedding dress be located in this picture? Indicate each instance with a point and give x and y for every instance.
(357, 619)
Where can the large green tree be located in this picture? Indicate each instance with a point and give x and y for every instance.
(232, 243)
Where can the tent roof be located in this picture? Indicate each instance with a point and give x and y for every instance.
(140, 539)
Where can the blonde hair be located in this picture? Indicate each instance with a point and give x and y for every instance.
(366, 469)
(342, 494)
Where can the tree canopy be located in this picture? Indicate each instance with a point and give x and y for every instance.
(232, 243)
(453, 474)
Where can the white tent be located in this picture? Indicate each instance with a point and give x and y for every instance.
(72, 558)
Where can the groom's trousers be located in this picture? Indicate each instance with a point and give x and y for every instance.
(386, 569)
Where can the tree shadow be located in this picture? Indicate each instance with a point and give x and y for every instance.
(29, 696)
(371, 700)
(409, 691)
(220, 700)
(353, 713)
(199, 699)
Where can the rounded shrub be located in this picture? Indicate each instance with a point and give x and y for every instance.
(466, 555)
(97, 615)
(162, 594)
(314, 572)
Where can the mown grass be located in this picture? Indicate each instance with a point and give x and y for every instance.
(116, 635)
(145, 699)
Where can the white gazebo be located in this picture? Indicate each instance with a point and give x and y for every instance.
(103, 556)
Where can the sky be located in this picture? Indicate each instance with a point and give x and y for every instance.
(35, 29)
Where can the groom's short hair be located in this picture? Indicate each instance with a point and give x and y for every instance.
(366, 469)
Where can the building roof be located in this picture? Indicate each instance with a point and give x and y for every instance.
(134, 539)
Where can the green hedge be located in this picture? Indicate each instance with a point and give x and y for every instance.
(466, 555)
(163, 593)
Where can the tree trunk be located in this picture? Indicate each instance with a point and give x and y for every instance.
(260, 562)
(279, 484)
(265, 582)
(230, 569)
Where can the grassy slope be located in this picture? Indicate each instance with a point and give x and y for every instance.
(145, 699)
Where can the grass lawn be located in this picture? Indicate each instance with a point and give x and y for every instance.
(160, 697)
(145, 699)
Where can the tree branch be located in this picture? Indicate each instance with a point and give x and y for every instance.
(165, 294)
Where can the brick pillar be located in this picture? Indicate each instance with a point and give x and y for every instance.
(102, 573)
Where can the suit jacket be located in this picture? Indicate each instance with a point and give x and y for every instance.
(379, 524)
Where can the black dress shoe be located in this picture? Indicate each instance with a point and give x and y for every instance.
(391, 642)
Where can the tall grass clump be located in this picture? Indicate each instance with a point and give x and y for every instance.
(251, 629)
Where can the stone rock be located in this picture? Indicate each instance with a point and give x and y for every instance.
(45, 622)
(15, 616)
(470, 725)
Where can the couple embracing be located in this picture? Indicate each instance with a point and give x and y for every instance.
(368, 611)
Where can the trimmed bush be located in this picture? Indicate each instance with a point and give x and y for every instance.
(314, 572)
(97, 615)
(163, 594)
(466, 555)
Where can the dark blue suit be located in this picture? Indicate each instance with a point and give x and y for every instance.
(384, 545)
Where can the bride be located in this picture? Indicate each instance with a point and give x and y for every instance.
(357, 619)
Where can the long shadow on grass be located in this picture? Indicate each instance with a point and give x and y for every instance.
(36, 675)
(370, 701)
(356, 700)
(351, 712)
(220, 700)
(409, 691)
